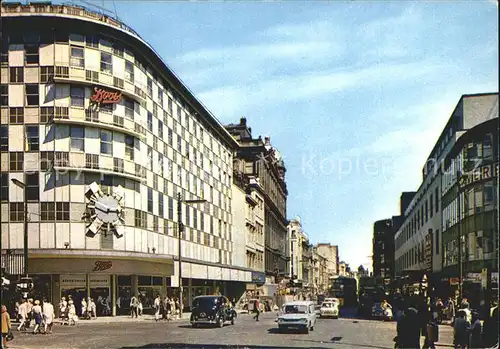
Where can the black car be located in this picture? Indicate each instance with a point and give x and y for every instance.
(212, 310)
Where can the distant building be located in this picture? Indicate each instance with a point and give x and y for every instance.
(331, 253)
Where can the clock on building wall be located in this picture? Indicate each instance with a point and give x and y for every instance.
(104, 212)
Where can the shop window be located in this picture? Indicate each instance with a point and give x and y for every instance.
(16, 161)
(4, 95)
(106, 63)
(4, 138)
(16, 210)
(32, 138)
(31, 54)
(32, 96)
(4, 186)
(16, 74)
(106, 142)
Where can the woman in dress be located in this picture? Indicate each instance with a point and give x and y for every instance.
(48, 316)
(37, 315)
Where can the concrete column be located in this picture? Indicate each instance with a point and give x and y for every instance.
(190, 293)
(88, 284)
(56, 293)
(113, 295)
(135, 289)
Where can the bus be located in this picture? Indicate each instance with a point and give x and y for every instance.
(345, 289)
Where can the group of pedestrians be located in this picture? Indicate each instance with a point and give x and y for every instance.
(419, 317)
(41, 313)
(165, 308)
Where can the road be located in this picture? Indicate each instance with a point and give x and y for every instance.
(246, 333)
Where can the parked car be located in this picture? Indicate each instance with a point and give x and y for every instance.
(297, 315)
(212, 310)
(330, 309)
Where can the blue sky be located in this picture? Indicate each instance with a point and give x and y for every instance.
(353, 94)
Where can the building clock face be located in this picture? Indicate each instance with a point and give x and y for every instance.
(104, 213)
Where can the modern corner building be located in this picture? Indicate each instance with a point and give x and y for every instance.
(262, 161)
(85, 99)
(456, 205)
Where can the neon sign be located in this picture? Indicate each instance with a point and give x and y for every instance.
(105, 97)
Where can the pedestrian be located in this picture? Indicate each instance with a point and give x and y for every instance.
(408, 329)
(23, 309)
(490, 331)
(134, 303)
(72, 317)
(37, 315)
(461, 331)
(6, 327)
(157, 306)
(48, 315)
(93, 308)
(139, 307)
(63, 307)
(84, 309)
(475, 332)
(432, 335)
(256, 310)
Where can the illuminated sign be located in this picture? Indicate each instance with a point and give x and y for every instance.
(105, 97)
(479, 174)
(102, 265)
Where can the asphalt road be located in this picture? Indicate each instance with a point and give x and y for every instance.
(246, 333)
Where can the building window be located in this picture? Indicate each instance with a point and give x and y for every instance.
(46, 74)
(179, 144)
(179, 114)
(92, 41)
(129, 108)
(188, 216)
(156, 224)
(4, 186)
(160, 204)
(106, 63)
(106, 142)
(46, 160)
(32, 97)
(4, 54)
(16, 211)
(61, 159)
(169, 105)
(32, 138)
(4, 95)
(77, 96)
(129, 71)
(16, 161)
(129, 147)
(118, 165)
(47, 211)
(77, 58)
(436, 198)
(170, 137)
(150, 87)
(160, 97)
(77, 135)
(4, 138)
(170, 208)
(160, 129)
(92, 161)
(150, 121)
(150, 200)
(33, 187)
(16, 74)
(437, 242)
(62, 211)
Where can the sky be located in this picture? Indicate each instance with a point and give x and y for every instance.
(353, 94)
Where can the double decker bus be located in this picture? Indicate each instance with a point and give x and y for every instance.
(345, 289)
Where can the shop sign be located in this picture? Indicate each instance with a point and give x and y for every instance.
(454, 281)
(482, 173)
(428, 253)
(99, 280)
(474, 278)
(105, 97)
(258, 277)
(102, 265)
(73, 280)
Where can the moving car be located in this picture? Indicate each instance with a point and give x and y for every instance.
(298, 315)
(330, 309)
(212, 310)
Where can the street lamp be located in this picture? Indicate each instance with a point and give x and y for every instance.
(180, 230)
(21, 185)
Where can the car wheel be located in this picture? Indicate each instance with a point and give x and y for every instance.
(221, 322)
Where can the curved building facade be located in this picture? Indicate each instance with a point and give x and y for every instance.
(85, 100)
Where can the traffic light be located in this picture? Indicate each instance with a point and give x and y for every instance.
(25, 285)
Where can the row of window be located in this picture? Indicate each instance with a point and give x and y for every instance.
(476, 245)
(49, 211)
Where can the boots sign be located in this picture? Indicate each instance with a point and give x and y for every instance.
(100, 95)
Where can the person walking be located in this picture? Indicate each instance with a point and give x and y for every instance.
(63, 308)
(48, 315)
(84, 309)
(134, 304)
(475, 332)
(256, 310)
(408, 329)
(6, 326)
(23, 309)
(72, 317)
(157, 306)
(37, 315)
(461, 331)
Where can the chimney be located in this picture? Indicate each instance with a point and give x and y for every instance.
(267, 140)
(243, 121)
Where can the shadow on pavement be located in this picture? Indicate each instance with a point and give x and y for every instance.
(228, 346)
(336, 340)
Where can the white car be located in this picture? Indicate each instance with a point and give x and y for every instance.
(298, 315)
(329, 309)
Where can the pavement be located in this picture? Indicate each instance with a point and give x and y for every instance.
(144, 333)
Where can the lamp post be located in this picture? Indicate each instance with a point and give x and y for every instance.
(21, 185)
(179, 239)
